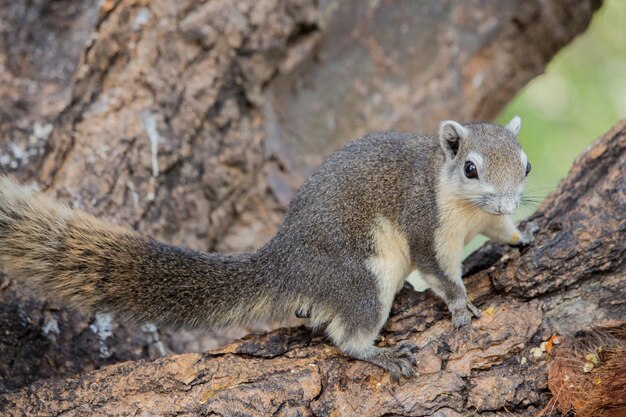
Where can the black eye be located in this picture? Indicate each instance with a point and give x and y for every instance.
(527, 168)
(470, 170)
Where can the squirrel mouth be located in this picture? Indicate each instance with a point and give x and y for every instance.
(495, 209)
(502, 211)
(501, 206)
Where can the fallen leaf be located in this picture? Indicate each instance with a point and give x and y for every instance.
(490, 310)
(553, 340)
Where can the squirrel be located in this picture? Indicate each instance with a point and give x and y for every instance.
(377, 209)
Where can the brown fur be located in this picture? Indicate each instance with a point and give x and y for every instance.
(32, 231)
(72, 256)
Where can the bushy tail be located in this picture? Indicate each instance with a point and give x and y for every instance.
(72, 256)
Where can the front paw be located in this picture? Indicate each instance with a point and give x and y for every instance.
(520, 240)
(523, 239)
(461, 318)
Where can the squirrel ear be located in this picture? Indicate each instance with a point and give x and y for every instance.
(514, 125)
(450, 135)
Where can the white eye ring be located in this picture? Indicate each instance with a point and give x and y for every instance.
(524, 158)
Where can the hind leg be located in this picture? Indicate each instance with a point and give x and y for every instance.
(359, 344)
(356, 306)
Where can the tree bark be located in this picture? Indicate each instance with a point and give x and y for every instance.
(571, 276)
(242, 100)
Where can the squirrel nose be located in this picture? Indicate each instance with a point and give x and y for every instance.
(506, 206)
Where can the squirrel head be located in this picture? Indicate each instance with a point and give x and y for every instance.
(484, 164)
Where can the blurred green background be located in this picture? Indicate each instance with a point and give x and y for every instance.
(581, 96)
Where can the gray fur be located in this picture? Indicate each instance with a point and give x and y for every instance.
(316, 265)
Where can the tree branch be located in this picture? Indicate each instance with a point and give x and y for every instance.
(571, 276)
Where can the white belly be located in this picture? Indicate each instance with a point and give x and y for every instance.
(392, 263)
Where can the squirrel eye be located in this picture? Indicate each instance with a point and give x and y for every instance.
(527, 168)
(470, 170)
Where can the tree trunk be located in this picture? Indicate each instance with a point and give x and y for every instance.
(195, 121)
(571, 276)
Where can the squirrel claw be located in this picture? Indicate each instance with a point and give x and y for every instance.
(303, 314)
(532, 229)
(461, 319)
(398, 360)
(527, 236)
(463, 316)
(473, 309)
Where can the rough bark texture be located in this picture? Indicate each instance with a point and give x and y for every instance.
(242, 99)
(572, 275)
(40, 42)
